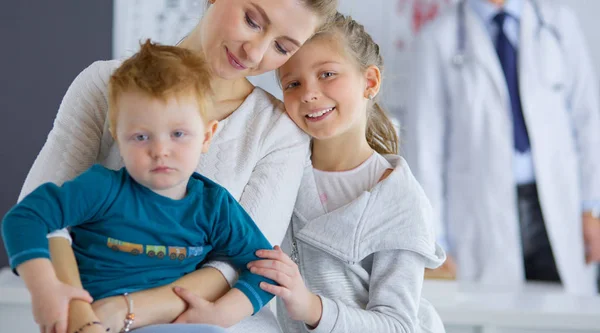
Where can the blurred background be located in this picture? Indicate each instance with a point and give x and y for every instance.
(47, 43)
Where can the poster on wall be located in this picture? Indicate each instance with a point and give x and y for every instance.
(392, 23)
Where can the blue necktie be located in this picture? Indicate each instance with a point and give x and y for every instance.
(508, 59)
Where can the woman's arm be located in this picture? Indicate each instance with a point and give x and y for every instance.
(65, 265)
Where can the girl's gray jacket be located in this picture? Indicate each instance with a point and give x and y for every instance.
(366, 259)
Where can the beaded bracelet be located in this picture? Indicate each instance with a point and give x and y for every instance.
(90, 324)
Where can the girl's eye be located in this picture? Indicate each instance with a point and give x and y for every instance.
(178, 134)
(325, 75)
(281, 49)
(251, 22)
(291, 85)
(141, 137)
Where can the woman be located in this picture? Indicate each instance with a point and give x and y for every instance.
(257, 152)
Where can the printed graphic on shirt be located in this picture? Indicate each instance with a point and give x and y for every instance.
(156, 251)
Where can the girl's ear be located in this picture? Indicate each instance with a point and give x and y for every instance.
(373, 78)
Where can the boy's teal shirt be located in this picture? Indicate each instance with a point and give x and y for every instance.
(127, 238)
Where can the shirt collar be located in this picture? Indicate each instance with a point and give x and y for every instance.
(486, 11)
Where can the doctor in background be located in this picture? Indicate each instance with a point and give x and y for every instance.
(502, 131)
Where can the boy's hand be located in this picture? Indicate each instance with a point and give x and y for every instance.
(49, 297)
(199, 311)
(300, 303)
(50, 303)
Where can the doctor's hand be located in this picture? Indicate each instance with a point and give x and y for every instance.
(591, 238)
(445, 272)
(300, 303)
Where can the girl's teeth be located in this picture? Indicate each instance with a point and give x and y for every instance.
(320, 113)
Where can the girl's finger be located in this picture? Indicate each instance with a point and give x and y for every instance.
(276, 255)
(274, 264)
(277, 276)
(278, 291)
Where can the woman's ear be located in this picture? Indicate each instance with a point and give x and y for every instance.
(373, 78)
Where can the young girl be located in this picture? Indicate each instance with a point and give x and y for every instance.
(361, 235)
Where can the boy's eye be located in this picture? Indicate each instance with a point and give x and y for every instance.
(141, 137)
(325, 75)
(178, 134)
(281, 49)
(251, 22)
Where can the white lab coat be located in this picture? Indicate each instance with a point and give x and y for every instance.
(458, 141)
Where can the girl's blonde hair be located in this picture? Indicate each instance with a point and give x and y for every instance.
(381, 133)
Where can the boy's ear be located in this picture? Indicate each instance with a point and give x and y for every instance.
(211, 128)
(373, 78)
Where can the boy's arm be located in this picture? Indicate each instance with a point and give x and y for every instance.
(50, 208)
(235, 236)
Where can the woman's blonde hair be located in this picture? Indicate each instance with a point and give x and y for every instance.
(381, 133)
(324, 9)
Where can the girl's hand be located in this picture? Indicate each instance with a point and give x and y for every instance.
(300, 303)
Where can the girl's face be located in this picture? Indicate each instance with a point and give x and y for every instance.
(242, 38)
(324, 91)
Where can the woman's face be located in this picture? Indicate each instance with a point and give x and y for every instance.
(242, 38)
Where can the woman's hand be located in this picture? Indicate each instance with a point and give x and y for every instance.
(301, 304)
(111, 311)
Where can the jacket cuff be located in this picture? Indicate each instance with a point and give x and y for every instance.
(590, 206)
(329, 316)
(230, 274)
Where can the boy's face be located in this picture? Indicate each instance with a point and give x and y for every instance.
(161, 141)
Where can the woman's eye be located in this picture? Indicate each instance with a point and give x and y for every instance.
(251, 23)
(141, 137)
(178, 134)
(281, 49)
